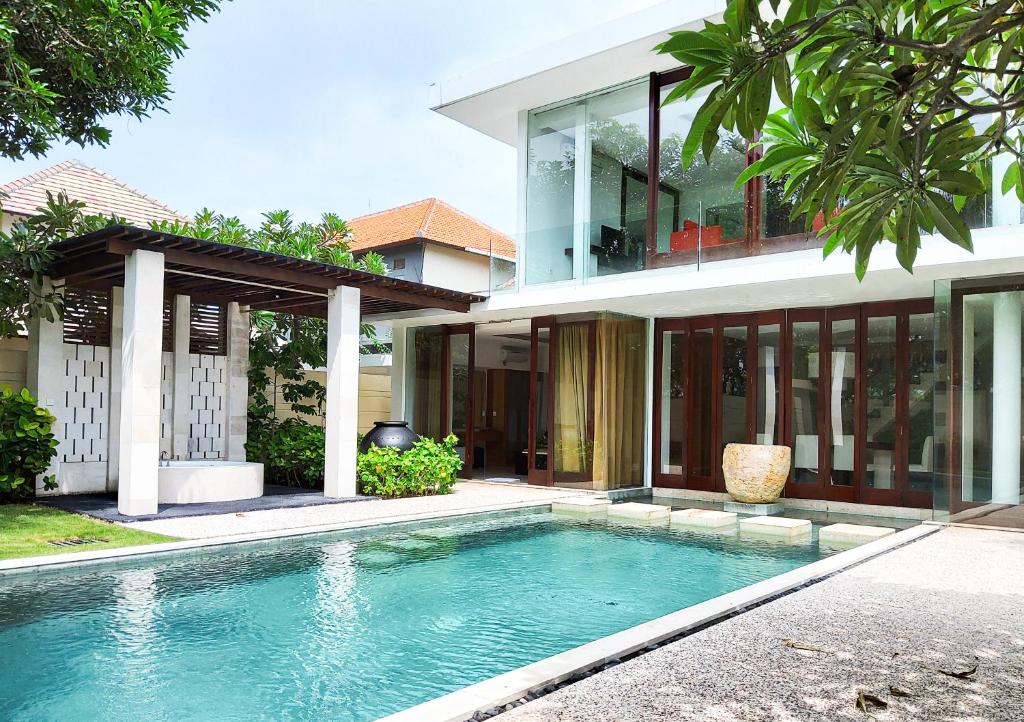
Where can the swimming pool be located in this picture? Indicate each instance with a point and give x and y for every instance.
(347, 626)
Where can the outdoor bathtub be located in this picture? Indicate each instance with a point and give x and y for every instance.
(198, 481)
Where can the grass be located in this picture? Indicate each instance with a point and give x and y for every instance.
(27, 529)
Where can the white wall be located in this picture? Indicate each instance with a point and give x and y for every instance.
(455, 269)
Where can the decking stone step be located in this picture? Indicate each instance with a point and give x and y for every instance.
(640, 512)
(703, 518)
(777, 526)
(587, 505)
(852, 533)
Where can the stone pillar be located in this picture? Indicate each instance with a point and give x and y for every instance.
(398, 374)
(237, 389)
(140, 387)
(45, 373)
(1006, 398)
(181, 387)
(114, 428)
(341, 417)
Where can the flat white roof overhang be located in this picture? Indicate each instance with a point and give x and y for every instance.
(798, 279)
(490, 98)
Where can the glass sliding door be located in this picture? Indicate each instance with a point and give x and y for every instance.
(703, 391)
(920, 407)
(735, 387)
(842, 409)
(670, 421)
(768, 411)
(880, 437)
(425, 411)
(804, 388)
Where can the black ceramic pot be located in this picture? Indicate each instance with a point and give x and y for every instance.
(389, 433)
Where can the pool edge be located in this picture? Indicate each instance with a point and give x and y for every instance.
(28, 565)
(498, 691)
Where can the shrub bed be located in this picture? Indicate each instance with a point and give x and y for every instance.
(27, 444)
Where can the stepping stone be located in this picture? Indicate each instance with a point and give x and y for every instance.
(703, 518)
(852, 533)
(585, 505)
(639, 512)
(776, 526)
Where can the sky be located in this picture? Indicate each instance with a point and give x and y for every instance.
(322, 105)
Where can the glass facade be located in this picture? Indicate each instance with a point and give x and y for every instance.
(591, 210)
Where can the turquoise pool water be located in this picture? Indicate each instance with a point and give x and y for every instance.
(346, 627)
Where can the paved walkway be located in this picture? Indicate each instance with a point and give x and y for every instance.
(468, 496)
(949, 602)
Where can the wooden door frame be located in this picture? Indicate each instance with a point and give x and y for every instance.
(709, 482)
(447, 331)
(839, 492)
(542, 477)
(661, 327)
(804, 490)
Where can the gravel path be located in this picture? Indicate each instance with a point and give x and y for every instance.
(468, 496)
(948, 602)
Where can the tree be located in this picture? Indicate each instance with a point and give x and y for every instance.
(64, 66)
(892, 112)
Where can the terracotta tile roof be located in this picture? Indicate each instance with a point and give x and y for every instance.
(101, 193)
(428, 220)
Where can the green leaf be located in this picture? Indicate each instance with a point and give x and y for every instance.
(948, 221)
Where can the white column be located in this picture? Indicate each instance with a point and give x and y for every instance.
(181, 387)
(398, 375)
(1006, 398)
(582, 263)
(140, 386)
(45, 373)
(341, 417)
(237, 400)
(114, 429)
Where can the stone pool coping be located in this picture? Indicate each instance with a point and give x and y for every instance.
(23, 565)
(497, 691)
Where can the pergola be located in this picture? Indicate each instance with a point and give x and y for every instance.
(150, 265)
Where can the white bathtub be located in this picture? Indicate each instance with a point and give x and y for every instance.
(195, 482)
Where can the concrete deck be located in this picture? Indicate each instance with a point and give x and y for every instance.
(468, 496)
(947, 602)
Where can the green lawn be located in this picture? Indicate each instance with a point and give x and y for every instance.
(26, 529)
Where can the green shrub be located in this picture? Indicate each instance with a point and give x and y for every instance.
(291, 451)
(428, 467)
(26, 444)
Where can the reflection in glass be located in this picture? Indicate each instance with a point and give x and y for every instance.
(550, 186)
(920, 395)
(459, 389)
(700, 203)
(426, 386)
(735, 385)
(617, 134)
(672, 408)
(766, 423)
(841, 400)
(880, 383)
(702, 385)
(806, 351)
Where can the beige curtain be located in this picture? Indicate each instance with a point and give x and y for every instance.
(426, 413)
(572, 382)
(619, 403)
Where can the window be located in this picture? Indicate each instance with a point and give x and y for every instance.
(208, 330)
(398, 264)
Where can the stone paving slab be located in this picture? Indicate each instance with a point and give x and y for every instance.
(852, 533)
(703, 518)
(585, 505)
(636, 511)
(779, 526)
(948, 602)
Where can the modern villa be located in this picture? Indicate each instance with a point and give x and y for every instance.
(652, 322)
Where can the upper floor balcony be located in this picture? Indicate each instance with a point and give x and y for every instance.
(590, 209)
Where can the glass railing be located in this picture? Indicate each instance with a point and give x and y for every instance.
(685, 236)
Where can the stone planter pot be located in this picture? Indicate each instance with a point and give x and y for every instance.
(755, 473)
(396, 434)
